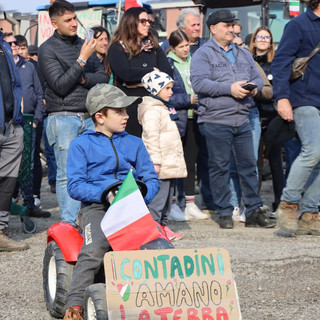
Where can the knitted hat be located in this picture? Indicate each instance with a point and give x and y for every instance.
(155, 81)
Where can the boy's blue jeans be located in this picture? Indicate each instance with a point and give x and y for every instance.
(61, 130)
(305, 168)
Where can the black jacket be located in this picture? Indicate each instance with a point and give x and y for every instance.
(131, 70)
(62, 74)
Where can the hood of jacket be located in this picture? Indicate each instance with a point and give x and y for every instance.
(146, 103)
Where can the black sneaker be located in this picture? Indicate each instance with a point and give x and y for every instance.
(39, 213)
(259, 219)
(226, 222)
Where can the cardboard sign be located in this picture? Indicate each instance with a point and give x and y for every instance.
(88, 18)
(192, 284)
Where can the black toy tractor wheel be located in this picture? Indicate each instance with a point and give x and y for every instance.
(57, 275)
(96, 302)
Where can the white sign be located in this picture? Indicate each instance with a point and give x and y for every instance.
(88, 19)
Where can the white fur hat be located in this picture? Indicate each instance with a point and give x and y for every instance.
(155, 81)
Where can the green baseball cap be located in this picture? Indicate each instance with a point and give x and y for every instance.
(105, 95)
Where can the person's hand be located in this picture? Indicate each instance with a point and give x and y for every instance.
(155, 69)
(253, 93)
(284, 109)
(87, 49)
(34, 125)
(157, 168)
(194, 99)
(237, 91)
(110, 197)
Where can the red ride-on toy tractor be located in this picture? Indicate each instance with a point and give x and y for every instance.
(63, 246)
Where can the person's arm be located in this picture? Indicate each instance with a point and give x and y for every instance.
(180, 98)
(94, 72)
(266, 92)
(145, 172)
(281, 68)
(121, 68)
(39, 109)
(77, 183)
(59, 80)
(151, 124)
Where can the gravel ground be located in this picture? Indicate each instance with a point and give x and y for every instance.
(277, 276)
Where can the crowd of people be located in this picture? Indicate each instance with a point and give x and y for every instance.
(182, 113)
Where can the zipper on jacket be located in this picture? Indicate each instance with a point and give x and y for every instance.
(235, 79)
(117, 157)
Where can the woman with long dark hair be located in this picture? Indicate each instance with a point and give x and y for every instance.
(134, 51)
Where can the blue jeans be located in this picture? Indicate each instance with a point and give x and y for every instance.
(292, 149)
(61, 130)
(235, 188)
(306, 166)
(220, 139)
(51, 160)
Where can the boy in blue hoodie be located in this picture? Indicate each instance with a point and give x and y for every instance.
(97, 159)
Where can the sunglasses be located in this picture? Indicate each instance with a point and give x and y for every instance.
(12, 42)
(144, 21)
(267, 38)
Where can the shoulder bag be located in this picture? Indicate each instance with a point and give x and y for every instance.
(299, 65)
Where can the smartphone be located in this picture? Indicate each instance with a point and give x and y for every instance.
(89, 34)
(249, 86)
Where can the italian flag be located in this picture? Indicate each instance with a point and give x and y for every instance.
(132, 3)
(294, 8)
(128, 223)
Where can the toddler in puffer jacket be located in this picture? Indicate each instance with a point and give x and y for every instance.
(162, 140)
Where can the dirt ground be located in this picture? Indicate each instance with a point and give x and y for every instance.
(277, 276)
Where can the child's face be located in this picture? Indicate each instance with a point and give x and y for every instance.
(166, 92)
(23, 51)
(115, 121)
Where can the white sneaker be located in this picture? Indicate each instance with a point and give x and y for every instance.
(37, 202)
(193, 212)
(236, 214)
(243, 215)
(176, 214)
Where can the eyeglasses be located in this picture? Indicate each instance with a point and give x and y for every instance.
(12, 42)
(260, 38)
(144, 21)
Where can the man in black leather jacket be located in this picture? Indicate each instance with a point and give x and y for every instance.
(70, 68)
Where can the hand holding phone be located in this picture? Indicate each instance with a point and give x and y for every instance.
(249, 86)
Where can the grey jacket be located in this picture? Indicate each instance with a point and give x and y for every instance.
(212, 75)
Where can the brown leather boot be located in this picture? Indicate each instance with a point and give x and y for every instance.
(74, 313)
(7, 244)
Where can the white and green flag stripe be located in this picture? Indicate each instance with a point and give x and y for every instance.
(128, 223)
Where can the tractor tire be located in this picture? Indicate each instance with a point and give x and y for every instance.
(95, 307)
(57, 276)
